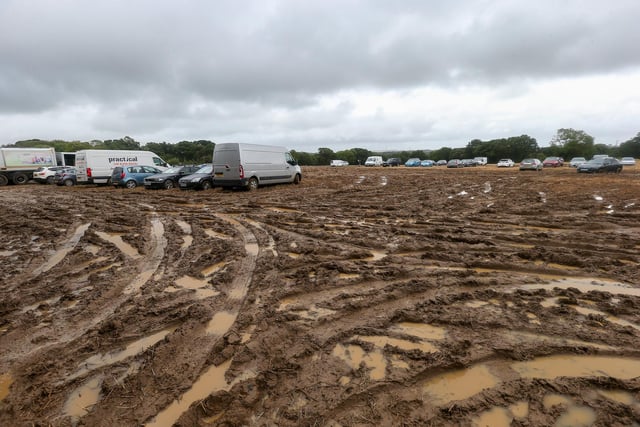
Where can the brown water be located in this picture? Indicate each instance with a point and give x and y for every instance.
(354, 355)
(5, 384)
(81, 400)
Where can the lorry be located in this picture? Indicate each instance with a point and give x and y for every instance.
(66, 158)
(95, 166)
(18, 164)
(248, 166)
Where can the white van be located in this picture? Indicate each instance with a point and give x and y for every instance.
(374, 161)
(95, 166)
(250, 166)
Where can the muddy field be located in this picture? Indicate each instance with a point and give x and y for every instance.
(361, 297)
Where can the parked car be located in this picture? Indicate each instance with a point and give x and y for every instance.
(505, 163)
(441, 163)
(374, 161)
(339, 163)
(577, 161)
(531, 165)
(66, 176)
(169, 178)
(455, 163)
(607, 164)
(392, 161)
(132, 176)
(46, 174)
(553, 162)
(427, 163)
(627, 161)
(202, 179)
(468, 163)
(412, 162)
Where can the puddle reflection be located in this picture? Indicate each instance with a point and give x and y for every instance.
(82, 399)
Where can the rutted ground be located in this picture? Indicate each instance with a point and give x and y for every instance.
(363, 296)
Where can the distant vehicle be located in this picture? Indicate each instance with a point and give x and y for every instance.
(251, 165)
(132, 176)
(18, 164)
(599, 156)
(339, 163)
(577, 161)
(412, 162)
(169, 178)
(45, 174)
(374, 161)
(553, 162)
(455, 163)
(468, 163)
(392, 161)
(628, 161)
(531, 165)
(202, 179)
(505, 163)
(607, 164)
(481, 161)
(427, 163)
(66, 176)
(441, 163)
(95, 166)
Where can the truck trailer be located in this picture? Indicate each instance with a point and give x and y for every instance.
(18, 164)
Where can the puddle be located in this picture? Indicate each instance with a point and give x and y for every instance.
(185, 226)
(578, 366)
(116, 240)
(586, 285)
(252, 248)
(67, 247)
(348, 276)
(206, 293)
(212, 233)
(382, 341)
(376, 255)
(475, 304)
(92, 249)
(587, 311)
(5, 383)
(495, 417)
(221, 322)
(458, 385)
(533, 318)
(191, 282)
(420, 330)
(46, 303)
(157, 232)
(551, 400)
(136, 347)
(282, 210)
(619, 396)
(517, 337)
(272, 243)
(211, 381)
(577, 416)
(187, 241)
(82, 399)
(208, 271)
(354, 356)
(293, 255)
(556, 265)
(396, 362)
(7, 253)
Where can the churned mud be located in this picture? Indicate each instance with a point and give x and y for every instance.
(363, 296)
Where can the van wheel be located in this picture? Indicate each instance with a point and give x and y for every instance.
(253, 184)
(296, 179)
(68, 182)
(168, 184)
(131, 184)
(50, 180)
(206, 185)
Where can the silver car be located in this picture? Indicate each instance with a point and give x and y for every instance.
(530, 165)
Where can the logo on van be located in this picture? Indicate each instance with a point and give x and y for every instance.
(123, 159)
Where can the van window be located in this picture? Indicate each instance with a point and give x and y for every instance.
(289, 158)
(159, 162)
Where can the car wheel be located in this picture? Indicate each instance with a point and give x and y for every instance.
(296, 179)
(168, 184)
(206, 185)
(131, 184)
(50, 180)
(68, 182)
(253, 184)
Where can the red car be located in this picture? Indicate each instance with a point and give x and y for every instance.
(553, 162)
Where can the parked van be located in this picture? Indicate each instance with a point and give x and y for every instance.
(95, 166)
(374, 161)
(250, 166)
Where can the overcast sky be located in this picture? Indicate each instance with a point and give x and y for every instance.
(378, 74)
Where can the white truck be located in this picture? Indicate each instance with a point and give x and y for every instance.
(18, 164)
(374, 161)
(237, 165)
(95, 166)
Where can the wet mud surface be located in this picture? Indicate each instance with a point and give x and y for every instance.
(363, 296)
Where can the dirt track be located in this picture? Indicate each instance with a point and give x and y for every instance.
(363, 296)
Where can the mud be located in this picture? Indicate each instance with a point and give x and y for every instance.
(363, 296)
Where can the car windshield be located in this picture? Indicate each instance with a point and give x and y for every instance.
(205, 169)
(173, 170)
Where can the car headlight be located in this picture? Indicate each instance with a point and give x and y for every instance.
(195, 180)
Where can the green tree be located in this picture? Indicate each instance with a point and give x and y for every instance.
(325, 155)
(572, 143)
(630, 148)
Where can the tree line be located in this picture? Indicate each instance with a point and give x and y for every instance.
(567, 143)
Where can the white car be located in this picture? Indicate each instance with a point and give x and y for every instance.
(45, 174)
(577, 161)
(628, 161)
(505, 163)
(339, 163)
